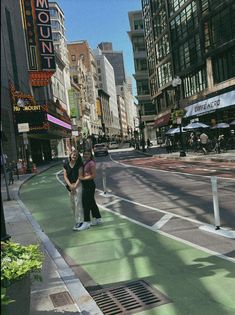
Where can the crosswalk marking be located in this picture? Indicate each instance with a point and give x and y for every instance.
(159, 224)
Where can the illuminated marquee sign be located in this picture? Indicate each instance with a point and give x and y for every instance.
(58, 122)
(38, 35)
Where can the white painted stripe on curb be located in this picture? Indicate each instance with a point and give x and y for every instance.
(160, 223)
(220, 232)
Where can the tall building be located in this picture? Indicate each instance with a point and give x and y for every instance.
(116, 60)
(60, 81)
(106, 82)
(13, 67)
(195, 41)
(61, 78)
(145, 105)
(36, 119)
(80, 50)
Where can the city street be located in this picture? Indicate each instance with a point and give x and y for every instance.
(151, 219)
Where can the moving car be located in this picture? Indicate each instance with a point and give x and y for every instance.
(100, 149)
(113, 145)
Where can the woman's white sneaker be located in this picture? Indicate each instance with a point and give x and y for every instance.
(77, 226)
(84, 226)
(97, 222)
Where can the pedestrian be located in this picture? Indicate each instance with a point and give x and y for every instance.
(87, 174)
(148, 143)
(168, 145)
(71, 177)
(10, 171)
(204, 141)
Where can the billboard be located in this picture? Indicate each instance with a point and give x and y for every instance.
(37, 25)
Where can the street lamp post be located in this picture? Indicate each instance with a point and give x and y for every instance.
(176, 82)
(141, 126)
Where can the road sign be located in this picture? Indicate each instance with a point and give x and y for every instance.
(24, 127)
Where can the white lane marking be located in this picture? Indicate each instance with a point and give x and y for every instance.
(204, 249)
(161, 232)
(112, 202)
(166, 171)
(156, 209)
(160, 223)
(57, 177)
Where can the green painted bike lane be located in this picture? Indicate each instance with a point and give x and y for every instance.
(196, 282)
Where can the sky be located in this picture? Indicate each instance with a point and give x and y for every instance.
(101, 21)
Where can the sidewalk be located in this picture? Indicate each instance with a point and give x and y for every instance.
(60, 291)
(158, 151)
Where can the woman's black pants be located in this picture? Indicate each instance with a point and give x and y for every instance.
(88, 200)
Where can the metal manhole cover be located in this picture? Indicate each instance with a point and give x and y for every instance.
(61, 299)
(129, 298)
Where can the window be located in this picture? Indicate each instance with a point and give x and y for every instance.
(149, 109)
(73, 57)
(138, 24)
(185, 23)
(224, 65)
(142, 87)
(222, 27)
(175, 5)
(162, 48)
(164, 74)
(195, 82)
(53, 13)
(56, 36)
(188, 54)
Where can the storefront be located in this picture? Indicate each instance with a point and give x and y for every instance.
(44, 122)
(161, 126)
(217, 109)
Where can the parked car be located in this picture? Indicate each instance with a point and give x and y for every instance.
(113, 145)
(100, 149)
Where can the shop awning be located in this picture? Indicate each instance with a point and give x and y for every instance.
(162, 121)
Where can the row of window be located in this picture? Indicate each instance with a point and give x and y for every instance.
(224, 65)
(220, 28)
(185, 23)
(195, 82)
(162, 48)
(187, 54)
(175, 5)
(159, 22)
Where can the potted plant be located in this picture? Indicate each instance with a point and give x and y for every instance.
(19, 264)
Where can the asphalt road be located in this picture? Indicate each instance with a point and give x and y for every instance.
(179, 188)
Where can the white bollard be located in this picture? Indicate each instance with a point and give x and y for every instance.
(215, 202)
(104, 181)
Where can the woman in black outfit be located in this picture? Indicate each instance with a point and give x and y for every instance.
(87, 175)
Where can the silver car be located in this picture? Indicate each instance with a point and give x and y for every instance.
(100, 149)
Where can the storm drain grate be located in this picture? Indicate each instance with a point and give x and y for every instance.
(128, 298)
(61, 299)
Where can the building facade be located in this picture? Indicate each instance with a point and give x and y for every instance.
(145, 105)
(195, 41)
(80, 53)
(33, 116)
(106, 82)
